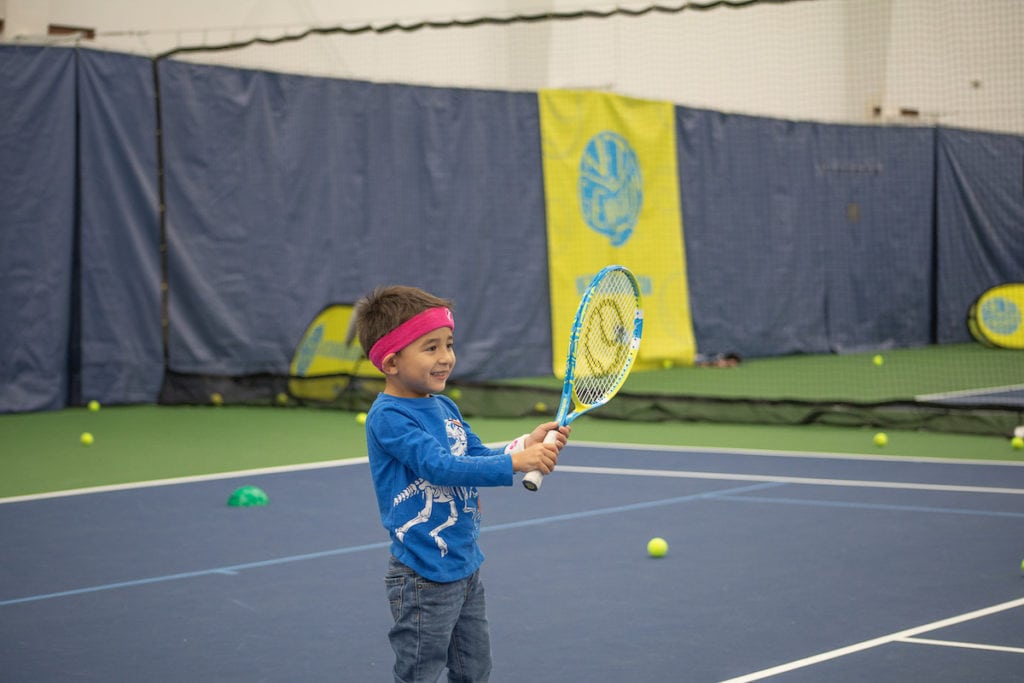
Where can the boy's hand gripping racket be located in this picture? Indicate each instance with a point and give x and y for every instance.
(603, 344)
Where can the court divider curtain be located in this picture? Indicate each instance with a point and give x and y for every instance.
(980, 221)
(37, 225)
(803, 237)
(757, 280)
(286, 193)
(874, 197)
(121, 348)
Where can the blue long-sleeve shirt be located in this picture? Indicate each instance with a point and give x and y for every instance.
(426, 464)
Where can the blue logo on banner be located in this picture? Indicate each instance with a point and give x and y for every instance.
(1000, 315)
(611, 188)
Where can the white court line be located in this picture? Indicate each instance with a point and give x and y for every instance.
(969, 392)
(969, 646)
(728, 476)
(815, 455)
(185, 480)
(565, 468)
(875, 642)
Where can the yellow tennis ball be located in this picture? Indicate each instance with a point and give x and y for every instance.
(282, 399)
(94, 406)
(361, 418)
(216, 399)
(541, 407)
(455, 394)
(657, 547)
(878, 360)
(881, 439)
(86, 439)
(1017, 442)
(667, 363)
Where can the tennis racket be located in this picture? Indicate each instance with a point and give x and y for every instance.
(603, 344)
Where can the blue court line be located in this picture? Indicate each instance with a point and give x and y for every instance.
(635, 506)
(227, 571)
(869, 506)
(236, 568)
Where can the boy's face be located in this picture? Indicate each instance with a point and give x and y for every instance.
(421, 368)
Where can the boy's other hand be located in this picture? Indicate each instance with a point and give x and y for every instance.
(538, 434)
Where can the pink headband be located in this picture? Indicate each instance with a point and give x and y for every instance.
(408, 332)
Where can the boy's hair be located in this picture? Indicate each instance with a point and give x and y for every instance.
(385, 308)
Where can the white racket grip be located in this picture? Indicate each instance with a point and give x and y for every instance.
(534, 479)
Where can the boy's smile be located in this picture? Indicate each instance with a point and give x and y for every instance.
(423, 367)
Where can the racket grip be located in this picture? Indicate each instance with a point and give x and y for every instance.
(534, 479)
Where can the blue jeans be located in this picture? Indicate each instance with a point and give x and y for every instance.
(437, 625)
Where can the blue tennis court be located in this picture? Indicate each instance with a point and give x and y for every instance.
(781, 567)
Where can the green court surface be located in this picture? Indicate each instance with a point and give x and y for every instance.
(42, 452)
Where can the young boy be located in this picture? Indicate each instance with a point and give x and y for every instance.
(427, 464)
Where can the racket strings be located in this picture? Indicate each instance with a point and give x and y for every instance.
(606, 339)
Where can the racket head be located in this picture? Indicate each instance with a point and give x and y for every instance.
(604, 342)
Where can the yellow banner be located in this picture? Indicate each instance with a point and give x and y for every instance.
(612, 195)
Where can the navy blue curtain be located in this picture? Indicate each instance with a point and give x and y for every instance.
(755, 262)
(874, 193)
(980, 222)
(805, 238)
(37, 225)
(310, 191)
(121, 348)
(286, 193)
